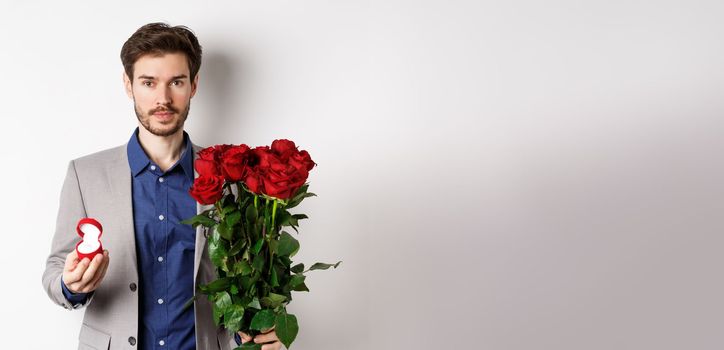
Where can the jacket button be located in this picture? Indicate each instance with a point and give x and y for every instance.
(133, 289)
(132, 340)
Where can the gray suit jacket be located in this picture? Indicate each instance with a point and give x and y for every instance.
(99, 186)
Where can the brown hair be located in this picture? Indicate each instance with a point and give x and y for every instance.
(158, 39)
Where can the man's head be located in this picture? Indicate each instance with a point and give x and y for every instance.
(161, 65)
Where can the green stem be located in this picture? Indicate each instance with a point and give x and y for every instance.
(274, 214)
(271, 236)
(238, 194)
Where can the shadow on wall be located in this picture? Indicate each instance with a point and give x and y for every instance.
(218, 85)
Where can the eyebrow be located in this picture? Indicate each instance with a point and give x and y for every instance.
(176, 77)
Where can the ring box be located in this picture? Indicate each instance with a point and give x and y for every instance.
(90, 230)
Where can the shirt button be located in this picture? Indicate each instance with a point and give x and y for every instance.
(160, 301)
(160, 259)
(160, 217)
(132, 340)
(132, 286)
(160, 179)
(153, 167)
(161, 342)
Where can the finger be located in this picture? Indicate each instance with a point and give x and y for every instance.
(99, 276)
(92, 269)
(71, 260)
(245, 337)
(266, 337)
(272, 346)
(76, 274)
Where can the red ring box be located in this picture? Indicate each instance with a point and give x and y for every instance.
(92, 230)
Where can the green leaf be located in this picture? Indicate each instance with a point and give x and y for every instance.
(263, 320)
(255, 303)
(200, 219)
(273, 300)
(217, 248)
(234, 289)
(236, 248)
(300, 216)
(287, 244)
(189, 302)
(296, 280)
(218, 285)
(223, 300)
(249, 346)
(233, 218)
(224, 230)
(301, 288)
(251, 214)
(248, 281)
(282, 218)
(297, 200)
(232, 317)
(257, 246)
(298, 196)
(298, 268)
(286, 328)
(228, 208)
(242, 267)
(323, 266)
(302, 190)
(258, 263)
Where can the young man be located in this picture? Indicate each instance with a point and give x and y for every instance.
(139, 192)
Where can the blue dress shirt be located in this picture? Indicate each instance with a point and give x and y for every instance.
(164, 249)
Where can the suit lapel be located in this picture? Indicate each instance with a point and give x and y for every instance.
(119, 178)
(200, 236)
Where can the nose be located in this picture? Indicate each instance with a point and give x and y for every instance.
(163, 97)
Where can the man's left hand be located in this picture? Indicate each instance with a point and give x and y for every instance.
(269, 339)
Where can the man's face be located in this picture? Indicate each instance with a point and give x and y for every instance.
(161, 91)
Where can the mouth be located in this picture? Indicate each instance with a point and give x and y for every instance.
(164, 116)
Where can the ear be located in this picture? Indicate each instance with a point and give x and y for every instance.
(194, 85)
(127, 85)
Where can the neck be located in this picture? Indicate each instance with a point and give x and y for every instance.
(162, 150)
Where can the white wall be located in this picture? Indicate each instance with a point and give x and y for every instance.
(495, 175)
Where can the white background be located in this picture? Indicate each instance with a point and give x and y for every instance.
(494, 175)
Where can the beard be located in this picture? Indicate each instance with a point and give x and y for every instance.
(168, 129)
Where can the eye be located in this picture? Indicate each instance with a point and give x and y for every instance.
(147, 83)
(177, 82)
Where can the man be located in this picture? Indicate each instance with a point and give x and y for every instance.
(139, 192)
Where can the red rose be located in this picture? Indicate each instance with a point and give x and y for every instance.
(206, 167)
(208, 162)
(253, 181)
(302, 160)
(280, 179)
(234, 161)
(283, 148)
(261, 156)
(207, 189)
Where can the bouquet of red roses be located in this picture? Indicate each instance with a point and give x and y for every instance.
(251, 190)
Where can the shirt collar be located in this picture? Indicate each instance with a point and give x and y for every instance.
(138, 160)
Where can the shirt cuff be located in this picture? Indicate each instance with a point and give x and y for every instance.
(237, 338)
(73, 298)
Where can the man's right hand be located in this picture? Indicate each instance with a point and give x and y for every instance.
(84, 276)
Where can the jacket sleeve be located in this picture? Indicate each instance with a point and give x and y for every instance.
(70, 210)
